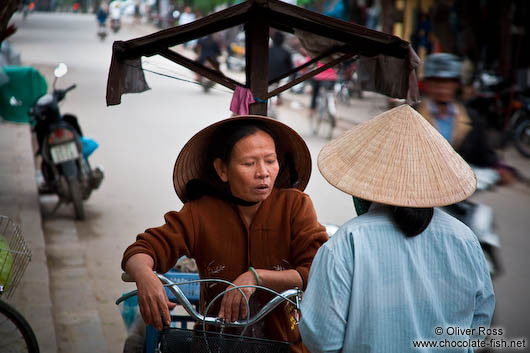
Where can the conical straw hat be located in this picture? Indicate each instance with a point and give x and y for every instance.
(397, 158)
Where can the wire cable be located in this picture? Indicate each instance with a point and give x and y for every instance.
(176, 78)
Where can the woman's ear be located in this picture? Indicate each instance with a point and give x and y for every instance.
(220, 168)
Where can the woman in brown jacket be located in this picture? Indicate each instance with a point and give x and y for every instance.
(245, 219)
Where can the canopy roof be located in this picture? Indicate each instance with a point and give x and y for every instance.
(323, 37)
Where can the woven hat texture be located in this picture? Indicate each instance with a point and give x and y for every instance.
(193, 162)
(397, 158)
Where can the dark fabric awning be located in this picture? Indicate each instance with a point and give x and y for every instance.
(389, 60)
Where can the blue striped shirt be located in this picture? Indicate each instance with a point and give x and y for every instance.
(370, 289)
(444, 122)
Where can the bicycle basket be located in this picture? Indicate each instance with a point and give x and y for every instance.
(176, 340)
(15, 256)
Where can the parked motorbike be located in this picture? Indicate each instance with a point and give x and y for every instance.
(506, 112)
(491, 99)
(64, 150)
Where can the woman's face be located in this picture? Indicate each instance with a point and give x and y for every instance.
(252, 169)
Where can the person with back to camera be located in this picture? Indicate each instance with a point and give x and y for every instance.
(462, 127)
(403, 270)
(245, 219)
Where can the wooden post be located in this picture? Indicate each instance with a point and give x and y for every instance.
(257, 61)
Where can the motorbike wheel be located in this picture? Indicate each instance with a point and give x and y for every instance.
(77, 198)
(522, 138)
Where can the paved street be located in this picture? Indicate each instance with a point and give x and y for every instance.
(139, 142)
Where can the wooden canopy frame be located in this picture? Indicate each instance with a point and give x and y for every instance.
(257, 16)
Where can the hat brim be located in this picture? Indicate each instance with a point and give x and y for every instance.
(193, 160)
(398, 159)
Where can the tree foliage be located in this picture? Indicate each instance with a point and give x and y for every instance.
(207, 6)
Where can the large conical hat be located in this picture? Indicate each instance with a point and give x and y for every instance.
(397, 158)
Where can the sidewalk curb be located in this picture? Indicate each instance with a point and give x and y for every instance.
(19, 200)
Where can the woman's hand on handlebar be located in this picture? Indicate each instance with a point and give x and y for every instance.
(153, 301)
(152, 298)
(233, 305)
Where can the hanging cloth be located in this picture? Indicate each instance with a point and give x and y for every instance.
(241, 99)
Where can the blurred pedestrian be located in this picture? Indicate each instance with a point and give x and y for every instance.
(280, 60)
(186, 17)
(137, 13)
(115, 15)
(102, 13)
(101, 16)
(115, 10)
(209, 50)
(403, 270)
(462, 127)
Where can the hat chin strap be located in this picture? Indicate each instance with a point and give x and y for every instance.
(197, 188)
(240, 202)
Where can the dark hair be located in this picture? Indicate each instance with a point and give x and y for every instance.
(412, 221)
(228, 135)
(221, 146)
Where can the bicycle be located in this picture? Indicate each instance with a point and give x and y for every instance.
(348, 83)
(326, 110)
(173, 339)
(16, 334)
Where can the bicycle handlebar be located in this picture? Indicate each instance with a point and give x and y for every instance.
(175, 290)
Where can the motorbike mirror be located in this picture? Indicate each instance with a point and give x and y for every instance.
(60, 70)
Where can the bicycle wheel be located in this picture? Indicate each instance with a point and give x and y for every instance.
(16, 335)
